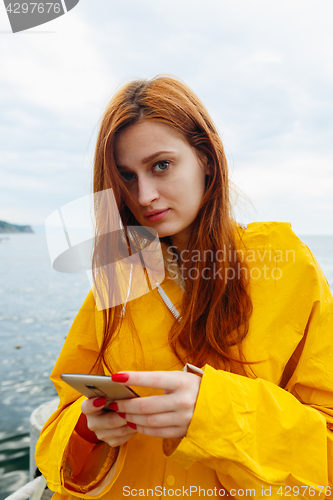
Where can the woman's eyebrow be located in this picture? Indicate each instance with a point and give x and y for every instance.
(148, 159)
(155, 155)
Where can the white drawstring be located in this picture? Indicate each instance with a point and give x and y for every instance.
(162, 293)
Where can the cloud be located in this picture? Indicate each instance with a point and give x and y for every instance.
(59, 73)
(295, 178)
(263, 70)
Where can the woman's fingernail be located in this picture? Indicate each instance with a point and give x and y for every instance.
(120, 377)
(99, 402)
(132, 426)
(113, 406)
(122, 415)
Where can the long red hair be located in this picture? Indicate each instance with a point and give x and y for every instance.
(215, 312)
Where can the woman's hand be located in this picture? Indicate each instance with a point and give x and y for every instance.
(107, 426)
(166, 416)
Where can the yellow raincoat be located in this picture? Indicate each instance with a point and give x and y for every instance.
(269, 436)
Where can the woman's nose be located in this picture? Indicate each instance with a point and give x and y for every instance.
(147, 191)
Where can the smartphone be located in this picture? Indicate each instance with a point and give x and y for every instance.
(98, 385)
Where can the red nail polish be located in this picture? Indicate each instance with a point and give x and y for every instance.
(132, 426)
(113, 406)
(120, 377)
(122, 415)
(99, 402)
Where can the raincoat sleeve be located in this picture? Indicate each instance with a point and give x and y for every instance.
(273, 439)
(71, 464)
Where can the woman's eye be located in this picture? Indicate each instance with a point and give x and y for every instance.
(161, 165)
(127, 176)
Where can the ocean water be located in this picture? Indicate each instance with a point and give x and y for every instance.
(37, 307)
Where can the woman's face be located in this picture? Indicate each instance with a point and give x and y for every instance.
(165, 177)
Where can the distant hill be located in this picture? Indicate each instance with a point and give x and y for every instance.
(5, 227)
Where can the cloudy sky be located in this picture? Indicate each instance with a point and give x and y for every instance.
(264, 70)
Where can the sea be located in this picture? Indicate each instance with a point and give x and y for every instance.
(37, 307)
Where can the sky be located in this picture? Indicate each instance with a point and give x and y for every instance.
(264, 71)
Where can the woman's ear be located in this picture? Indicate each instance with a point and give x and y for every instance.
(204, 163)
(209, 170)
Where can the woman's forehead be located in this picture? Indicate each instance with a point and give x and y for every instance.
(141, 140)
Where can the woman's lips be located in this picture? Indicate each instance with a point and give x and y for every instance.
(158, 216)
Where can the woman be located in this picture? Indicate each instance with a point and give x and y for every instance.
(250, 306)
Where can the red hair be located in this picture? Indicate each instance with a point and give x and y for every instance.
(215, 312)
